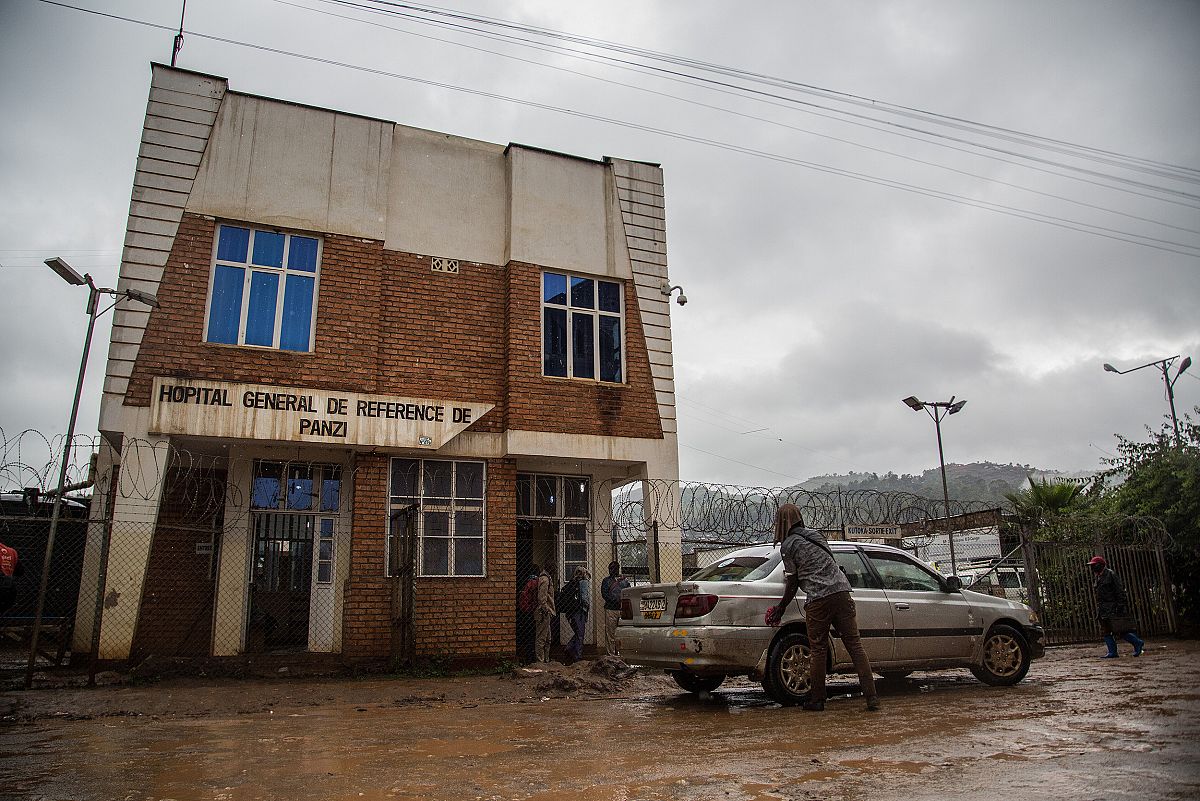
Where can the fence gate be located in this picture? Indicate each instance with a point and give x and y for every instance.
(1064, 597)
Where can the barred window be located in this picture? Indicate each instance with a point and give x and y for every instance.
(445, 501)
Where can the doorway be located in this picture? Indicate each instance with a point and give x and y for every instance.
(281, 582)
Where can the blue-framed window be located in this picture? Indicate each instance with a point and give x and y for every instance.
(582, 328)
(263, 290)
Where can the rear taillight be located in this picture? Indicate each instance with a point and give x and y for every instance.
(694, 605)
(626, 609)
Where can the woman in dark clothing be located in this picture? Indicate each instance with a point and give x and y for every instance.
(1112, 603)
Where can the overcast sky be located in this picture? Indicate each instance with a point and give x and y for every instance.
(816, 301)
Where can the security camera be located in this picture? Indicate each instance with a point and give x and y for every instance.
(682, 299)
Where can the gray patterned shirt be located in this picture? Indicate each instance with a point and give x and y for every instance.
(818, 573)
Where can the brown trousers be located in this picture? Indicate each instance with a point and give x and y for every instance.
(837, 609)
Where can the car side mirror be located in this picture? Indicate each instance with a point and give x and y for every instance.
(953, 584)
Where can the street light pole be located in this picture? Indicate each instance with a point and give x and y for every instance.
(68, 274)
(937, 410)
(1163, 365)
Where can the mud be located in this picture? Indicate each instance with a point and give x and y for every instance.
(1077, 728)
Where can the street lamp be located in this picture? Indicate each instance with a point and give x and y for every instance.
(1163, 365)
(69, 274)
(937, 410)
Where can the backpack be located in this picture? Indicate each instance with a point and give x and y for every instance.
(567, 602)
(527, 602)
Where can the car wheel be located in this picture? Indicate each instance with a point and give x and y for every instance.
(696, 683)
(1006, 657)
(786, 679)
(895, 675)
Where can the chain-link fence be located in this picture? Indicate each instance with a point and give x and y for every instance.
(178, 554)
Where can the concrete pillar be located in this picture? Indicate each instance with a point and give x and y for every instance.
(144, 464)
(107, 462)
(233, 567)
(660, 489)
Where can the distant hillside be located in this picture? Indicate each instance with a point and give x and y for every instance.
(981, 481)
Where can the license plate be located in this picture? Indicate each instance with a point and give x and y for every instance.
(653, 608)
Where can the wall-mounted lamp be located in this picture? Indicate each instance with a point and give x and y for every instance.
(667, 289)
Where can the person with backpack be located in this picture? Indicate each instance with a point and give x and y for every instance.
(575, 602)
(809, 564)
(543, 614)
(526, 604)
(610, 591)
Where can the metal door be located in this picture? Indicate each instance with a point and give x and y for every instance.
(281, 582)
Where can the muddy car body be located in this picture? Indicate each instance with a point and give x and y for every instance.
(712, 625)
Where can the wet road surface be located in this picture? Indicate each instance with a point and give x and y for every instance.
(1077, 728)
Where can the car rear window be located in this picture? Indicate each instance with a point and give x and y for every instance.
(737, 568)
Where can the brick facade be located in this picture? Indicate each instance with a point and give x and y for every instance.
(177, 601)
(386, 324)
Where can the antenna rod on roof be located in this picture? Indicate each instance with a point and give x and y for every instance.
(178, 44)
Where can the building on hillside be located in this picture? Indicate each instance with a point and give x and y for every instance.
(390, 370)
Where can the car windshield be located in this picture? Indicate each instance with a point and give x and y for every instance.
(738, 568)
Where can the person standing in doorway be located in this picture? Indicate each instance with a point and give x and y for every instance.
(543, 615)
(610, 591)
(526, 606)
(578, 601)
(809, 564)
(1113, 607)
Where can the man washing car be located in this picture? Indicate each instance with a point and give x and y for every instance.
(809, 564)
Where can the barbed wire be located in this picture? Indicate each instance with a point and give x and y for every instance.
(197, 490)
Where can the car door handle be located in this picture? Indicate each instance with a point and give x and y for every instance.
(902, 607)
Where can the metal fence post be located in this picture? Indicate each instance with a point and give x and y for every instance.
(656, 574)
(1029, 557)
(98, 614)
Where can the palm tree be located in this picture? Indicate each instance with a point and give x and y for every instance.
(1043, 500)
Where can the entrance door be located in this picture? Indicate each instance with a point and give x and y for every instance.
(281, 582)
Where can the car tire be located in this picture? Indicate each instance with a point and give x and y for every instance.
(696, 683)
(1006, 657)
(895, 675)
(786, 679)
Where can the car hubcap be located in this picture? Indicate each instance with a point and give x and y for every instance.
(1003, 655)
(793, 669)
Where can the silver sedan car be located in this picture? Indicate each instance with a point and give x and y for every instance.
(712, 625)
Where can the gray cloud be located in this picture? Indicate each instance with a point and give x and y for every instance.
(817, 301)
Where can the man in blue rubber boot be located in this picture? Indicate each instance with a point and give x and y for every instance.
(1113, 608)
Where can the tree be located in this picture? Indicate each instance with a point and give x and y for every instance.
(1162, 479)
(1041, 501)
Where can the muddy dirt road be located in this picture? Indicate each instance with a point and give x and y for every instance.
(1077, 728)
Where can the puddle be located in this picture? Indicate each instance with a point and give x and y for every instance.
(938, 736)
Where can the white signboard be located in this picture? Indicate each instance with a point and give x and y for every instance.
(297, 414)
(872, 532)
(969, 545)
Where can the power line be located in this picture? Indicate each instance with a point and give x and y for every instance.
(1085, 152)
(690, 101)
(1059, 222)
(720, 88)
(738, 461)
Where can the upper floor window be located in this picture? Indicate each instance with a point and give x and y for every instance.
(264, 289)
(582, 328)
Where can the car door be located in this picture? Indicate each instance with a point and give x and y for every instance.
(873, 609)
(931, 624)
